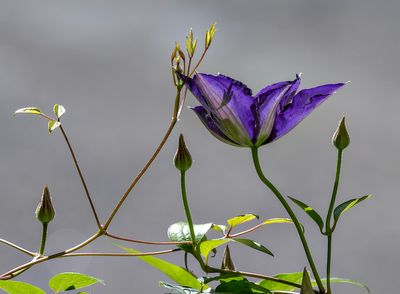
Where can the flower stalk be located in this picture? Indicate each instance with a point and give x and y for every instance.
(254, 152)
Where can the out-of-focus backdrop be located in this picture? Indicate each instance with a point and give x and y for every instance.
(107, 62)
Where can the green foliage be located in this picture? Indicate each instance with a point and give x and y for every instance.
(310, 211)
(241, 286)
(16, 287)
(344, 281)
(207, 246)
(253, 244)
(233, 222)
(52, 125)
(174, 272)
(28, 110)
(71, 281)
(296, 277)
(176, 289)
(345, 206)
(58, 110)
(180, 232)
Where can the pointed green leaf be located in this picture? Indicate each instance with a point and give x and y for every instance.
(52, 125)
(220, 228)
(59, 110)
(296, 277)
(207, 246)
(71, 281)
(310, 211)
(174, 272)
(28, 110)
(345, 206)
(232, 222)
(344, 281)
(306, 286)
(16, 287)
(276, 221)
(180, 231)
(254, 245)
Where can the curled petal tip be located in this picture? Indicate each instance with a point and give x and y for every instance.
(348, 82)
(299, 75)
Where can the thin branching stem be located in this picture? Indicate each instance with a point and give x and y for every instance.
(149, 162)
(15, 246)
(81, 177)
(146, 242)
(121, 254)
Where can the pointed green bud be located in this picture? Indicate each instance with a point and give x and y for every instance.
(182, 159)
(210, 35)
(341, 138)
(45, 211)
(227, 263)
(190, 44)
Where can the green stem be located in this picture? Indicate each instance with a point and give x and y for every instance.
(187, 209)
(43, 242)
(334, 193)
(328, 228)
(254, 152)
(328, 265)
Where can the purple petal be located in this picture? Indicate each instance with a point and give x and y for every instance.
(209, 123)
(303, 103)
(228, 100)
(265, 106)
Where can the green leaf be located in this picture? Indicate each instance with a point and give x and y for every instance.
(71, 281)
(296, 277)
(254, 245)
(28, 110)
(207, 246)
(310, 211)
(306, 286)
(174, 272)
(276, 221)
(176, 289)
(345, 206)
(16, 287)
(59, 110)
(232, 222)
(344, 281)
(52, 125)
(180, 231)
(220, 228)
(242, 286)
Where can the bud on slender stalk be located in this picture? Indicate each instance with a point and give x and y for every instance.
(227, 263)
(182, 159)
(45, 211)
(341, 138)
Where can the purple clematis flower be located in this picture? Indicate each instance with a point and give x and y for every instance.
(233, 115)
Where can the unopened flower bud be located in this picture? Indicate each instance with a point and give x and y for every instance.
(227, 263)
(45, 211)
(182, 159)
(341, 138)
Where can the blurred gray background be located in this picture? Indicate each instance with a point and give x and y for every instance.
(107, 62)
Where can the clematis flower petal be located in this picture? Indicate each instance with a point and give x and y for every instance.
(264, 108)
(302, 104)
(229, 102)
(210, 124)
